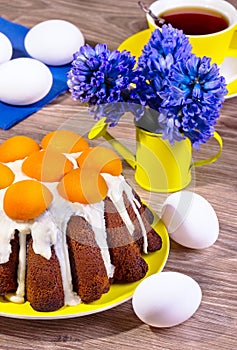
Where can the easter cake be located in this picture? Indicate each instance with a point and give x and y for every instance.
(70, 223)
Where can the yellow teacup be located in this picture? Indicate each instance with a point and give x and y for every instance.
(216, 45)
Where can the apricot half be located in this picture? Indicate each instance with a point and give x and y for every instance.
(102, 159)
(17, 147)
(26, 199)
(64, 141)
(6, 176)
(47, 166)
(79, 186)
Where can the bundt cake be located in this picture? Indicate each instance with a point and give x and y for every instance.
(70, 223)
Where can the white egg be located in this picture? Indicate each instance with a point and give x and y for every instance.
(190, 220)
(166, 299)
(53, 42)
(5, 48)
(24, 81)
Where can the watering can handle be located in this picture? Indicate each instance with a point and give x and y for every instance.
(212, 159)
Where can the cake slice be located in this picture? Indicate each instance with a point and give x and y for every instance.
(8, 270)
(89, 276)
(44, 288)
(125, 253)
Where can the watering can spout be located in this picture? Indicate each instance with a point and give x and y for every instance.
(100, 130)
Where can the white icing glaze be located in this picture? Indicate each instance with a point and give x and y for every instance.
(18, 296)
(94, 214)
(44, 235)
(50, 229)
(144, 233)
(61, 210)
(16, 299)
(7, 231)
(118, 185)
(20, 292)
(70, 298)
(16, 168)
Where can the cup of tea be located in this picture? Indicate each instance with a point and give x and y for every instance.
(211, 25)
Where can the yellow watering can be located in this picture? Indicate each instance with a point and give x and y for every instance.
(159, 166)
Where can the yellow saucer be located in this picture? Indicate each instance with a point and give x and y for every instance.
(118, 293)
(136, 42)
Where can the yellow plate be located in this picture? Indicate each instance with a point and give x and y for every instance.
(118, 293)
(135, 44)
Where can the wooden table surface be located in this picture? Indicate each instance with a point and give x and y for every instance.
(214, 325)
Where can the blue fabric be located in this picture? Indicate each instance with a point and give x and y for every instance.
(9, 114)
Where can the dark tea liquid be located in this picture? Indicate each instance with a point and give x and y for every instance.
(195, 21)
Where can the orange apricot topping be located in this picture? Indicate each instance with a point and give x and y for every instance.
(102, 159)
(48, 166)
(26, 199)
(79, 186)
(64, 141)
(6, 176)
(17, 147)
